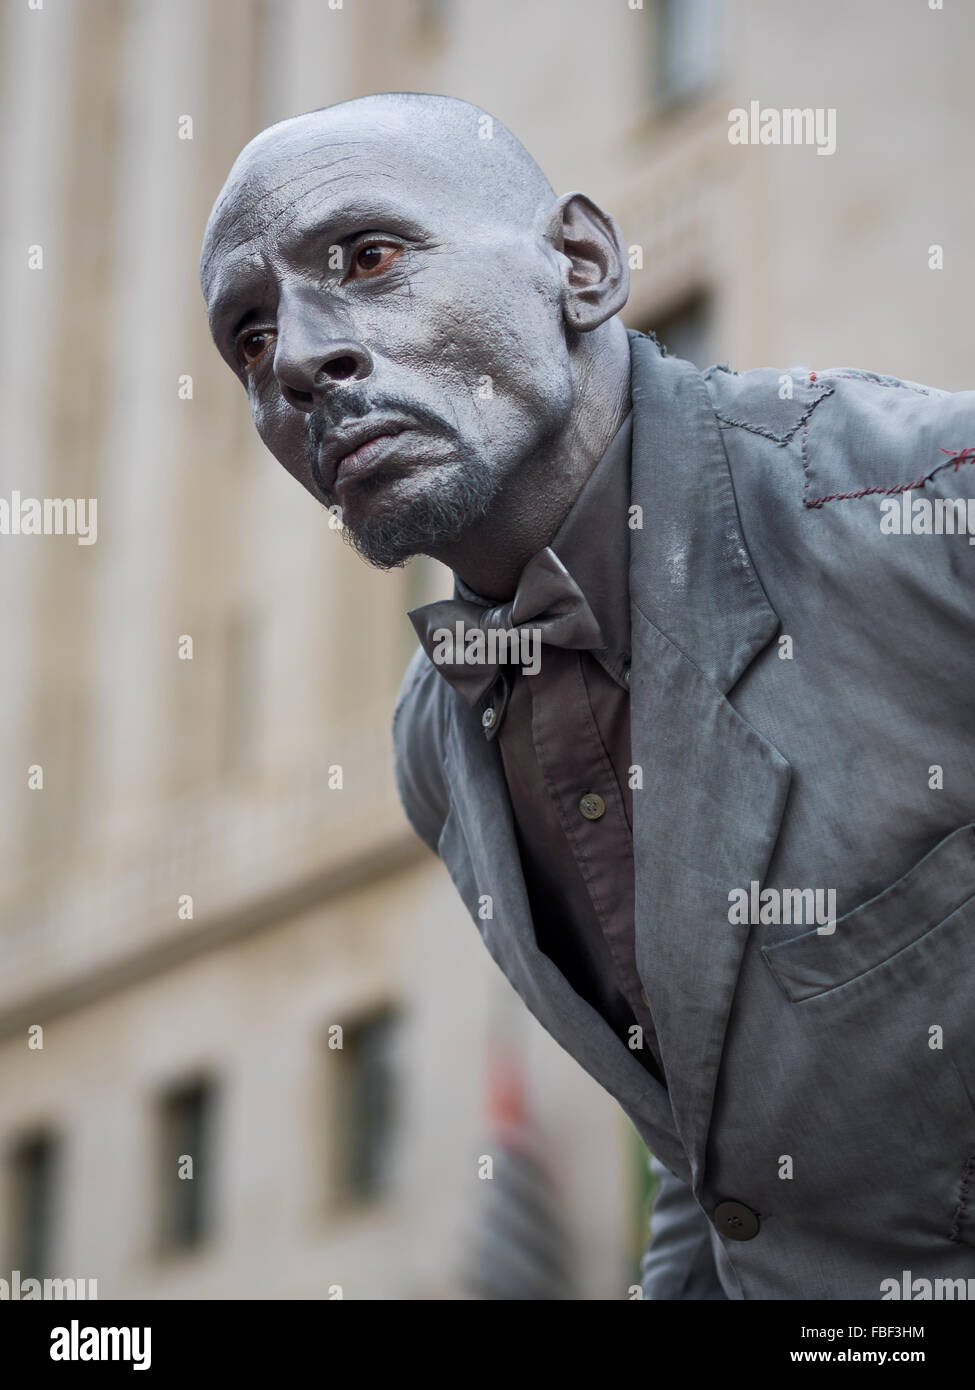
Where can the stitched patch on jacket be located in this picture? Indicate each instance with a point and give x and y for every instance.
(878, 435)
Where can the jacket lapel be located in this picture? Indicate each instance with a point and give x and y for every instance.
(714, 790)
(478, 846)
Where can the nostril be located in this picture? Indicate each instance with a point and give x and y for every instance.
(340, 368)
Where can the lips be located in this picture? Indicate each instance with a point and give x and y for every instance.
(346, 452)
(363, 458)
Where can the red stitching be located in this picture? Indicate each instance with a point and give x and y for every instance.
(805, 463)
(955, 456)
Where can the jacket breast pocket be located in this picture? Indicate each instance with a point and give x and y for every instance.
(937, 892)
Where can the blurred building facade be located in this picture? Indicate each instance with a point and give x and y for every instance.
(206, 871)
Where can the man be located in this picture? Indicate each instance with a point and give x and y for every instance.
(693, 735)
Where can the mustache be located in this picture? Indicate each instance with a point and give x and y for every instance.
(344, 408)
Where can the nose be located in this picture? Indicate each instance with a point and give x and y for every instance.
(307, 363)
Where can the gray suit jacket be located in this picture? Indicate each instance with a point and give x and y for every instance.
(802, 691)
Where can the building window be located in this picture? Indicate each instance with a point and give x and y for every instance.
(365, 1113)
(186, 1162)
(33, 1172)
(687, 330)
(688, 39)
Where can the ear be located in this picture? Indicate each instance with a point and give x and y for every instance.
(595, 268)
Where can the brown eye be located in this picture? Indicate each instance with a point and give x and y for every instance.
(252, 346)
(370, 260)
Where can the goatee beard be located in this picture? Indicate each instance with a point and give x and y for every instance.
(438, 516)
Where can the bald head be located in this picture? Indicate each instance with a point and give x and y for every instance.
(441, 142)
(412, 311)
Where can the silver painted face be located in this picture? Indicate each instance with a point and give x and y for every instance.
(398, 329)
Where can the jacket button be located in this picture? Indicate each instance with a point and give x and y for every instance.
(592, 805)
(626, 677)
(489, 718)
(735, 1220)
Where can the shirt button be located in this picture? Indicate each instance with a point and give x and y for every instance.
(735, 1220)
(489, 718)
(592, 805)
(626, 677)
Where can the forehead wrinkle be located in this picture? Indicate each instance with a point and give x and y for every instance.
(302, 173)
(294, 209)
(349, 210)
(228, 192)
(265, 225)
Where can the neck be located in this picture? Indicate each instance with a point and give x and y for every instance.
(525, 520)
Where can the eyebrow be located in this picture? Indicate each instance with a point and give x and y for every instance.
(226, 293)
(228, 301)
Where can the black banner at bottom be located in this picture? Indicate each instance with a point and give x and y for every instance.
(168, 1340)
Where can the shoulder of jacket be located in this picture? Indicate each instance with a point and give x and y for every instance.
(847, 433)
(419, 700)
(418, 669)
(419, 723)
